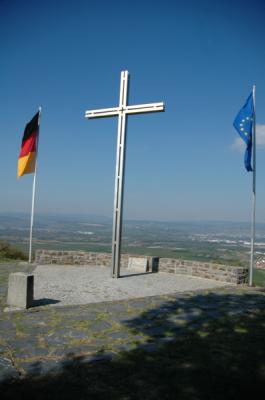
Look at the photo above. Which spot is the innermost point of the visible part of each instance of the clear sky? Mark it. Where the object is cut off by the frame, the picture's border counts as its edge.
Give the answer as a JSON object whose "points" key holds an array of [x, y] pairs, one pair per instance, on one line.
{"points": [[200, 57]]}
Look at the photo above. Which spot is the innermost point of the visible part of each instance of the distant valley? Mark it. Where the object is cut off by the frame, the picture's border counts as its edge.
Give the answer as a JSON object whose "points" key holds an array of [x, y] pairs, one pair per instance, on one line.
{"points": [[220, 242]]}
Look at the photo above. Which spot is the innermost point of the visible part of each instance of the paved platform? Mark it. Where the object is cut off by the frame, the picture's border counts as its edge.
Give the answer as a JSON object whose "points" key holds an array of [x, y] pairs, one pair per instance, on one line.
{"points": [[178, 345], [72, 285]]}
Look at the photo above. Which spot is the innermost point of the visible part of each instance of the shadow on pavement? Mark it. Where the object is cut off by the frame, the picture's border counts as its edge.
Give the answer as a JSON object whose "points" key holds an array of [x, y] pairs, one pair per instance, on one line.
{"points": [[44, 302], [136, 274], [204, 346]]}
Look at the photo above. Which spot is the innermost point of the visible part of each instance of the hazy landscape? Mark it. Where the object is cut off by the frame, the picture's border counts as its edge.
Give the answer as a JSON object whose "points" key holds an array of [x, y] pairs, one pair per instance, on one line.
{"points": [[221, 242]]}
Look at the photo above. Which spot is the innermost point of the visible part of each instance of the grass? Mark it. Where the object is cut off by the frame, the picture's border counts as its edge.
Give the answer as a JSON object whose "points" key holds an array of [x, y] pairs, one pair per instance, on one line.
{"points": [[9, 252], [259, 277]]}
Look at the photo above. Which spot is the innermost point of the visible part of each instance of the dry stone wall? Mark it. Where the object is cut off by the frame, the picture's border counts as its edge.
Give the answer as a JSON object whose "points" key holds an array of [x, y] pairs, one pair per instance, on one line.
{"points": [[85, 258], [223, 273]]}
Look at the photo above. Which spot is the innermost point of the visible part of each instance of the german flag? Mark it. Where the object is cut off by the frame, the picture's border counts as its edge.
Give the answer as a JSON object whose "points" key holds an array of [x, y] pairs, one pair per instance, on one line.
{"points": [[28, 153]]}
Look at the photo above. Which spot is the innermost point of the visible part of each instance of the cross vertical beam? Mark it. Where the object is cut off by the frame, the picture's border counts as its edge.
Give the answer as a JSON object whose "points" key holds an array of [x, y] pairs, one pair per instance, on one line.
{"points": [[121, 111], [119, 177]]}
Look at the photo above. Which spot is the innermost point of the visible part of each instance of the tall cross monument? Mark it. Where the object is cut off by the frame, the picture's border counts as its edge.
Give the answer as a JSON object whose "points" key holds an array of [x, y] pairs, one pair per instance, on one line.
{"points": [[121, 111]]}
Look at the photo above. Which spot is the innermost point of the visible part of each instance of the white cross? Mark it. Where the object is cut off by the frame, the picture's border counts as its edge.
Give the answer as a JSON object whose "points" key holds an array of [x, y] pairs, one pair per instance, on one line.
{"points": [[121, 111]]}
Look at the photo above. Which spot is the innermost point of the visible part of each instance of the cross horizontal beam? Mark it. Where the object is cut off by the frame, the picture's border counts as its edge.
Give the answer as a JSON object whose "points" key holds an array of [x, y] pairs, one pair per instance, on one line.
{"points": [[145, 108], [104, 112], [138, 109]]}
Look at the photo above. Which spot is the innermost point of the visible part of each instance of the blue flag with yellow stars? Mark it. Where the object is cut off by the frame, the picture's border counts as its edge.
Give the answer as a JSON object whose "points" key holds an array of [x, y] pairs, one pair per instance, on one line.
{"points": [[243, 124]]}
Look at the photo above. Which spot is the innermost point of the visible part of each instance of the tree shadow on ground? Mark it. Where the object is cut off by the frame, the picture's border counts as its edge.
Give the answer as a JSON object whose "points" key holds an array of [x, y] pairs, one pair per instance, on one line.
{"points": [[205, 346]]}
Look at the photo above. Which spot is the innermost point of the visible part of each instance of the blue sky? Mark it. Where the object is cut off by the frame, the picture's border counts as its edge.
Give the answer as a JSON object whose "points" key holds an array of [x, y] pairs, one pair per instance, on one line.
{"points": [[200, 57]]}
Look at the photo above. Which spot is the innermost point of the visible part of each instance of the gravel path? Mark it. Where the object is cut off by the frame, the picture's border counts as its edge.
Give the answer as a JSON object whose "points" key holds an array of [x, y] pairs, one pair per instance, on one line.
{"points": [[70, 285]]}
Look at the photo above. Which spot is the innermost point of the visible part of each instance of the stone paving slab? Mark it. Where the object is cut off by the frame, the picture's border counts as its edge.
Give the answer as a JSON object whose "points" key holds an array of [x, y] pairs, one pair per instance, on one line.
{"points": [[39, 340], [66, 285], [45, 338]]}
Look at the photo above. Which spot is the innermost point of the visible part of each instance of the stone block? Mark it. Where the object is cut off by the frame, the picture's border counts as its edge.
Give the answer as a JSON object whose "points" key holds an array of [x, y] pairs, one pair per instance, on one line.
{"points": [[138, 263], [153, 264], [20, 290]]}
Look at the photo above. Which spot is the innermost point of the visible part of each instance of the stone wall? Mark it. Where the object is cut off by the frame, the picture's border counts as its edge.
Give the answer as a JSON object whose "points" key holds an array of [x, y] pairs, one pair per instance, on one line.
{"points": [[85, 258], [72, 257], [223, 273]]}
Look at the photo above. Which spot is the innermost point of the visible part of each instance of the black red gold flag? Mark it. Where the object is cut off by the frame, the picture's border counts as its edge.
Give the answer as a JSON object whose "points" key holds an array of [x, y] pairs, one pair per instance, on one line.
{"points": [[28, 153]]}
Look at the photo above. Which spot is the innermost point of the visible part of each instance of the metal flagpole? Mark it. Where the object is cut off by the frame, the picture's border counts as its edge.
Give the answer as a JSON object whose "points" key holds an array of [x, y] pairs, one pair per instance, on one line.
{"points": [[32, 215], [33, 199], [253, 189]]}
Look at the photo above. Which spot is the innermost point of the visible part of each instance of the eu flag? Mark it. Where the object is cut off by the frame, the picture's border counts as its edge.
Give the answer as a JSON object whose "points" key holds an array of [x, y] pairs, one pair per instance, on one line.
{"points": [[243, 124]]}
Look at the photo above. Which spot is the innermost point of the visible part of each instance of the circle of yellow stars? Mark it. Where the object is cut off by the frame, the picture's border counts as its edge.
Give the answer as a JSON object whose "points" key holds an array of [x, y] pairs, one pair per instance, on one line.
{"points": [[243, 121]]}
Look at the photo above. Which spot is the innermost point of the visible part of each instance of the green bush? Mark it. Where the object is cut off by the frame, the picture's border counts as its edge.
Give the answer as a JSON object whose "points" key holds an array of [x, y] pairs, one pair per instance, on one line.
{"points": [[10, 252]]}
